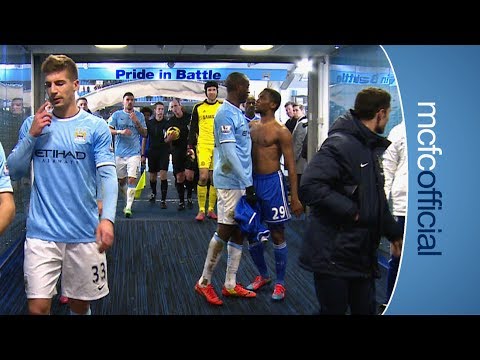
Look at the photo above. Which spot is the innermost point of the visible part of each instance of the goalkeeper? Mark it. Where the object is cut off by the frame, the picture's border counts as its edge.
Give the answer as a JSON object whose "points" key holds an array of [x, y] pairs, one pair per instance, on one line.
{"points": [[201, 136], [181, 120]]}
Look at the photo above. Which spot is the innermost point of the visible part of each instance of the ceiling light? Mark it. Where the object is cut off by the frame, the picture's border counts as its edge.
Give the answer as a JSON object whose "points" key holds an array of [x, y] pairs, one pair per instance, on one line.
{"points": [[111, 46], [256, 47], [304, 66]]}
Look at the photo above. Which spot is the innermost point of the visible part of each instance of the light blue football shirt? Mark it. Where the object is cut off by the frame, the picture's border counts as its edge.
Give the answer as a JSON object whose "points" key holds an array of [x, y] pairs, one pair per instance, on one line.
{"points": [[65, 158], [230, 126], [126, 146], [5, 184]]}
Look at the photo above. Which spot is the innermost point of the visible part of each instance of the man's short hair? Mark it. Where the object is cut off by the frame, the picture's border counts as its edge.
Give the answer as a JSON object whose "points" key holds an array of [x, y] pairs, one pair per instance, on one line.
{"points": [[369, 101], [235, 79], [274, 96], [300, 106], [210, 83], [145, 109], [56, 63]]}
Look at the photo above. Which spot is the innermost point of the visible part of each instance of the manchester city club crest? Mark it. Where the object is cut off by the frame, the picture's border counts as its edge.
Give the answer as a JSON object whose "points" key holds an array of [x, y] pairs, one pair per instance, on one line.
{"points": [[80, 136]]}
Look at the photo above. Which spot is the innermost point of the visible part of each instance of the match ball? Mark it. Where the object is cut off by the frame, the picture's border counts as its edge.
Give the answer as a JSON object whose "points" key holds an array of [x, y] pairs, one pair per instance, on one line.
{"points": [[175, 131]]}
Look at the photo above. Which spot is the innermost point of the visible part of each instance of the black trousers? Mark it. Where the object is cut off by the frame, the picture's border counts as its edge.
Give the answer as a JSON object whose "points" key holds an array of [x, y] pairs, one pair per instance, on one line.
{"points": [[335, 295]]}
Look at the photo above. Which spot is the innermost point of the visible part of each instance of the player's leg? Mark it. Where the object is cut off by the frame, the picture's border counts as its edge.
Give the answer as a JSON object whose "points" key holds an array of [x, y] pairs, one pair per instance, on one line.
{"points": [[212, 192], [276, 212], [133, 168], [203, 168], [84, 276], [42, 267], [164, 162]]}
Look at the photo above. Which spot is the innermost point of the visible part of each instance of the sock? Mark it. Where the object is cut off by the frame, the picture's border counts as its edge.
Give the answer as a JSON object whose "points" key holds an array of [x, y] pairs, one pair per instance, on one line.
{"points": [[164, 188], [280, 252], [214, 253], [130, 196], [256, 250], [202, 197], [153, 185], [181, 191], [89, 312], [212, 198], [234, 256], [189, 186]]}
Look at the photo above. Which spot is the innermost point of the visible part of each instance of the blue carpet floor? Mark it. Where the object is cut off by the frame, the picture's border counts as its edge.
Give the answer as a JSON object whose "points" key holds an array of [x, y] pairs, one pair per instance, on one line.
{"points": [[158, 255]]}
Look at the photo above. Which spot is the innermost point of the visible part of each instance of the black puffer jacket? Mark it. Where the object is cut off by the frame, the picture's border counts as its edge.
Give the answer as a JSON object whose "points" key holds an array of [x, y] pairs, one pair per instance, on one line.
{"points": [[345, 178]]}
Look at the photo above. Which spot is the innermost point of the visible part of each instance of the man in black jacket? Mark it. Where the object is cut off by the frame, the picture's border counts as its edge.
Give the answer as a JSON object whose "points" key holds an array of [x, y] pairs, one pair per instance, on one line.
{"points": [[180, 120], [343, 185]]}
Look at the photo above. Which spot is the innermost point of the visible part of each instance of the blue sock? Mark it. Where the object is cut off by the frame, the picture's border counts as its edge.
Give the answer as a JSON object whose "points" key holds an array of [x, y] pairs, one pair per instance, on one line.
{"points": [[393, 264], [281, 253], [256, 251]]}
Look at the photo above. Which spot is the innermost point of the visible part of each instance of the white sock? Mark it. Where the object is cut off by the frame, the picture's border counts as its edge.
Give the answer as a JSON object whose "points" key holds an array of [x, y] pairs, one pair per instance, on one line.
{"points": [[234, 256], [214, 253], [130, 197]]}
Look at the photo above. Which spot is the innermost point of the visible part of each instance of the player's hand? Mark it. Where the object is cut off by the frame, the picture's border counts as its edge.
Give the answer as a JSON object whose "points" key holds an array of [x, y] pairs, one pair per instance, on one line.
{"points": [[105, 235], [169, 138], [41, 119], [296, 207], [191, 153], [127, 132], [396, 247], [133, 116]]}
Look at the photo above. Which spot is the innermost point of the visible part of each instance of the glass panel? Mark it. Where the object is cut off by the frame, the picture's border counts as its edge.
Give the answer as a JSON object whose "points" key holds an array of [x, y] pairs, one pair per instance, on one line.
{"points": [[15, 97], [356, 67]]}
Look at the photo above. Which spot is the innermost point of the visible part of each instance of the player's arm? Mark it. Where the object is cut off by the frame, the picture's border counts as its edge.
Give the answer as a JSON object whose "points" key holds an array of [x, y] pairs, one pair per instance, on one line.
{"points": [[108, 178], [7, 209], [390, 163], [7, 204], [21, 156], [19, 160], [105, 233], [144, 146], [139, 122], [232, 163], [112, 124], [105, 163], [193, 132], [285, 140]]}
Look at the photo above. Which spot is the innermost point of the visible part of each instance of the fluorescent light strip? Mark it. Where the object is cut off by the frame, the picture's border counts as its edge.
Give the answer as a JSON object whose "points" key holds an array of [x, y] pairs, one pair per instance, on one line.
{"points": [[256, 47], [111, 46]]}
